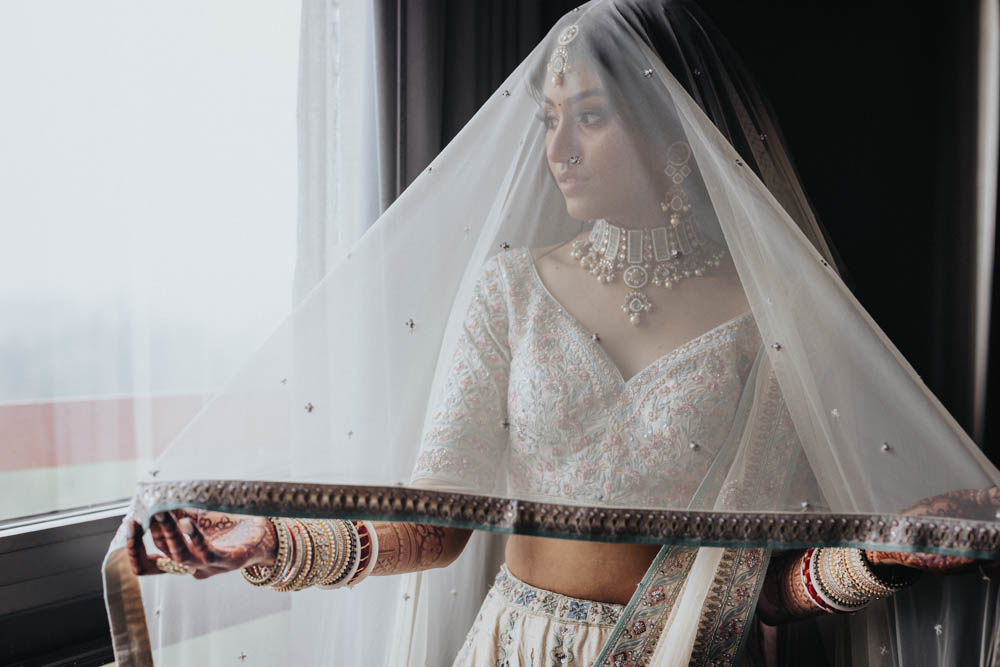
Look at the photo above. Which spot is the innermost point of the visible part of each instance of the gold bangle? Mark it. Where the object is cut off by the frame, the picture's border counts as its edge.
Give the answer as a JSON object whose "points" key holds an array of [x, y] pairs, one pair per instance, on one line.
{"points": [[832, 578], [864, 569], [346, 554], [303, 572], [264, 575], [857, 580], [296, 559], [340, 550], [348, 564], [322, 539], [852, 591], [822, 585]]}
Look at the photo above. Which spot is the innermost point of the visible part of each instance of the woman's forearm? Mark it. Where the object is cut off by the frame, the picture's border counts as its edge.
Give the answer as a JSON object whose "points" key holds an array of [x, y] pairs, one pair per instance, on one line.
{"points": [[412, 547], [783, 598], [833, 580]]}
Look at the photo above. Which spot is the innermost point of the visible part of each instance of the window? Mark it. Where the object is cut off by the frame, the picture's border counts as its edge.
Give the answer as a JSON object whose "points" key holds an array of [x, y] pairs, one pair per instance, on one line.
{"points": [[147, 240], [148, 217]]}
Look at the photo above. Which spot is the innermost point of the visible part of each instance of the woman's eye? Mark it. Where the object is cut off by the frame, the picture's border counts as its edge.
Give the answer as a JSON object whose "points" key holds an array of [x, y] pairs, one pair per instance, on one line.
{"points": [[548, 120], [590, 118], [587, 119]]}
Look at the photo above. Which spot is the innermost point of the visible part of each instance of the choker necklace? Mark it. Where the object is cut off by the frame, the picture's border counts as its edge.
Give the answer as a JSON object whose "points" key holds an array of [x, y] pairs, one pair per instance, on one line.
{"points": [[661, 255]]}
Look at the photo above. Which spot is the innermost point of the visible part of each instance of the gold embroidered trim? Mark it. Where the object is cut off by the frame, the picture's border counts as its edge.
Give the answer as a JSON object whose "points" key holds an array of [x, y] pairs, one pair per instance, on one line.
{"points": [[730, 602], [635, 636], [692, 527]]}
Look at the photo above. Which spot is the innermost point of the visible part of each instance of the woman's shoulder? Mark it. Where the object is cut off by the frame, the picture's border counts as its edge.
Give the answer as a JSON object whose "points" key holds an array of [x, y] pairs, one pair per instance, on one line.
{"points": [[501, 277], [510, 265], [517, 271]]}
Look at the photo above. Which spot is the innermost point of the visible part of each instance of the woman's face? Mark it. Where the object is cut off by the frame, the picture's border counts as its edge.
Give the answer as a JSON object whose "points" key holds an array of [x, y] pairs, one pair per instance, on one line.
{"points": [[593, 157]]}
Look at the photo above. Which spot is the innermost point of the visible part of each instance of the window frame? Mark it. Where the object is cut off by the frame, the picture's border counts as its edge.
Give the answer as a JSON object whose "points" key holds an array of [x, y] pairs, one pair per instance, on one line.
{"points": [[52, 608]]}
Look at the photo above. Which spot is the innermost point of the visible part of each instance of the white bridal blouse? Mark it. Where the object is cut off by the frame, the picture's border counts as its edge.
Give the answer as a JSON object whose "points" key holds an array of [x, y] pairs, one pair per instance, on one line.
{"points": [[532, 392]]}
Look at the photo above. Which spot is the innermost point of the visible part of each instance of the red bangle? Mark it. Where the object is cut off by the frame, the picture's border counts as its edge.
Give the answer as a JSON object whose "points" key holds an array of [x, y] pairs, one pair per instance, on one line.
{"points": [[365, 546], [808, 583]]}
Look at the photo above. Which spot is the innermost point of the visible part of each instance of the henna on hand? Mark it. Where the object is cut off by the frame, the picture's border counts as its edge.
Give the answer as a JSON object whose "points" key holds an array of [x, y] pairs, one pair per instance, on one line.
{"points": [[159, 536], [965, 503], [412, 547], [176, 546], [231, 541], [934, 563], [210, 542], [215, 542], [139, 560]]}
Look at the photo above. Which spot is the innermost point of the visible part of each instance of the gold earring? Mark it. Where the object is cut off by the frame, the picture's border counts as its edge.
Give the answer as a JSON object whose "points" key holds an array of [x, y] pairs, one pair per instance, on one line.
{"points": [[675, 200]]}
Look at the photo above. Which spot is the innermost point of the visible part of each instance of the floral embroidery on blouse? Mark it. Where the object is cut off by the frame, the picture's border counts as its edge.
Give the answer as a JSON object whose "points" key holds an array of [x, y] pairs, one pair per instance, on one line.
{"points": [[530, 392]]}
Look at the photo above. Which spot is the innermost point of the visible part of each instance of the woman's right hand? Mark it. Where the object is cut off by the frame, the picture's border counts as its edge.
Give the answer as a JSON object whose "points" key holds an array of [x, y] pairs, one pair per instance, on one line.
{"points": [[983, 504], [209, 543]]}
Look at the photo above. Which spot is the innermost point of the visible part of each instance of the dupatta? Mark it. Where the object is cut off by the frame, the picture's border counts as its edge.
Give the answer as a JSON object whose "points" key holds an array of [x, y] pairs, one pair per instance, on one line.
{"points": [[388, 394]]}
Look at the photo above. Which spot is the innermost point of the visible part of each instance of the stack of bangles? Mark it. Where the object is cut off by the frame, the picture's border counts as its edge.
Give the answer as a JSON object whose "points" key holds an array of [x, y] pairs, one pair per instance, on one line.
{"points": [[841, 580], [328, 553]]}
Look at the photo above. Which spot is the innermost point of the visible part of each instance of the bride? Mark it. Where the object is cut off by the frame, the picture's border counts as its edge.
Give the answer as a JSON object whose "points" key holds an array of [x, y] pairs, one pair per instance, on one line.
{"points": [[644, 361]]}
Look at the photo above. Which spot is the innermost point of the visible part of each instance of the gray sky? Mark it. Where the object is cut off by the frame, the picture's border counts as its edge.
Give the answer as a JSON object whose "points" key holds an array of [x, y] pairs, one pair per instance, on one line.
{"points": [[147, 156]]}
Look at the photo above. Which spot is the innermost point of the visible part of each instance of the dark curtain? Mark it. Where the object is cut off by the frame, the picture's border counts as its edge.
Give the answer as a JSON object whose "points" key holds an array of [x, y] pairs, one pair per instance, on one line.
{"points": [[438, 61], [992, 438], [877, 101]]}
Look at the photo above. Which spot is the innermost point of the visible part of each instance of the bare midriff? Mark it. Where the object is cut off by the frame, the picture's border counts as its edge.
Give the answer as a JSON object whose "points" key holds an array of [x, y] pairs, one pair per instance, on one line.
{"points": [[601, 571]]}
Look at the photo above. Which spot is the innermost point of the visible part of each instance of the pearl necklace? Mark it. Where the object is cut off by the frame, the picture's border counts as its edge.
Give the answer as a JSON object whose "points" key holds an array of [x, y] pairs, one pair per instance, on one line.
{"points": [[671, 253]]}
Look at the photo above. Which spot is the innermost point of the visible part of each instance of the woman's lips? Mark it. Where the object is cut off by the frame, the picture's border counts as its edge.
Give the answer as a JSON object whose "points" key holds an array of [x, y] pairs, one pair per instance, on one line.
{"points": [[571, 183]]}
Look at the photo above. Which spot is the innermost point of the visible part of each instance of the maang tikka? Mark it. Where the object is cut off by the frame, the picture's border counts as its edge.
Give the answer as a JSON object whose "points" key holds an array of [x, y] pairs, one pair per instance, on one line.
{"points": [[671, 253], [559, 60]]}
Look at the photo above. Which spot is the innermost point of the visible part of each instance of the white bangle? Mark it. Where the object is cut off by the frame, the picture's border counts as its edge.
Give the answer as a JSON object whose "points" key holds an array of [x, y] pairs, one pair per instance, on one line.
{"points": [[373, 538], [821, 576]]}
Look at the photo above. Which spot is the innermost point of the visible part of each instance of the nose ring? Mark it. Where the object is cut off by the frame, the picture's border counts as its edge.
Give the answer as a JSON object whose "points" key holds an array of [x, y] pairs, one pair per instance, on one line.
{"points": [[575, 159]]}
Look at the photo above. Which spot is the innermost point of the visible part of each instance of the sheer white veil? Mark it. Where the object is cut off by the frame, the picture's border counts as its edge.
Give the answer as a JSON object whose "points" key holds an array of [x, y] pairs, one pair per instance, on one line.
{"points": [[822, 433]]}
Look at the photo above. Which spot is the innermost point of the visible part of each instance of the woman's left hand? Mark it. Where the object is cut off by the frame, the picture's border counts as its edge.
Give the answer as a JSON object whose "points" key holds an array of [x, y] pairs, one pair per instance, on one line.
{"points": [[201, 543], [960, 503]]}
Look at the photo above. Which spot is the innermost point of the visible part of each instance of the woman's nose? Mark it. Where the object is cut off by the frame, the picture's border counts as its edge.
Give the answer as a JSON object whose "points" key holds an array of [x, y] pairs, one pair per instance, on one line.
{"points": [[563, 146]]}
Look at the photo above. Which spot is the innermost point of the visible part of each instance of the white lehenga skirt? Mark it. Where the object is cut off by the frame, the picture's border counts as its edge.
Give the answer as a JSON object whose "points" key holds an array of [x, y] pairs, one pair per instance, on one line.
{"points": [[523, 626]]}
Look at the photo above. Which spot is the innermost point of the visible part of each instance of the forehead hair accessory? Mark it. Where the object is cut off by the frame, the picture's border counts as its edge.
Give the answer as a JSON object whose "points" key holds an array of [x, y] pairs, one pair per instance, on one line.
{"points": [[559, 60]]}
